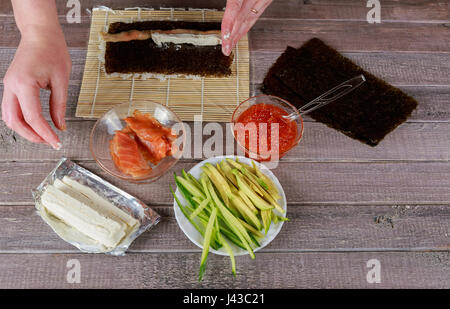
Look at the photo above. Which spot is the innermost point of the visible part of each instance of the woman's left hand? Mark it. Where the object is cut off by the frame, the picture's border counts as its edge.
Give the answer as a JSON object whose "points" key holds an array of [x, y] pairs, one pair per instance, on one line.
{"points": [[239, 17]]}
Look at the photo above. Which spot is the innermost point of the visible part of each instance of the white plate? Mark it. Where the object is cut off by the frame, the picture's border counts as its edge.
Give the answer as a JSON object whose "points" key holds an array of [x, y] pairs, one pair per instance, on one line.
{"points": [[197, 238]]}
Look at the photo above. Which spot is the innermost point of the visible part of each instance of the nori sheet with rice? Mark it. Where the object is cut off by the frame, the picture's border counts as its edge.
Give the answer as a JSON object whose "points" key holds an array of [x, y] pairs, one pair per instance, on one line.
{"points": [[367, 114], [146, 57]]}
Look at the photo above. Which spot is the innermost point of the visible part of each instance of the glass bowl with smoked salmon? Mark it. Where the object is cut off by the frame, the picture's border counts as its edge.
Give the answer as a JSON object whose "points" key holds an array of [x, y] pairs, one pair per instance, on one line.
{"points": [[138, 141]]}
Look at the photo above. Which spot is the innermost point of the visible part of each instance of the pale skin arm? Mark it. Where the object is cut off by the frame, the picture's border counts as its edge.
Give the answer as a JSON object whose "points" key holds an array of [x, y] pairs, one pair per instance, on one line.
{"points": [[238, 19], [41, 61]]}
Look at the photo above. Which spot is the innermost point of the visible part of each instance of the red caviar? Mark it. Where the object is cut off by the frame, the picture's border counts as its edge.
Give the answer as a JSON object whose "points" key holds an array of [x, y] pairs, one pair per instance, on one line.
{"points": [[263, 116]]}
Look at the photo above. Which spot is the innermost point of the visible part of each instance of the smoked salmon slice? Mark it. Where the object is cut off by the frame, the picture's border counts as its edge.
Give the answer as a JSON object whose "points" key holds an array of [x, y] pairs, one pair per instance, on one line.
{"points": [[143, 141], [156, 138], [127, 156]]}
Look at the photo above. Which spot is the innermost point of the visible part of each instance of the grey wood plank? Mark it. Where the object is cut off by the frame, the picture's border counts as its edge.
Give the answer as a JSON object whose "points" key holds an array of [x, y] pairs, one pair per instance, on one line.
{"points": [[275, 34], [319, 144], [179, 270], [410, 11], [311, 228], [434, 102], [350, 36], [399, 69], [346, 183]]}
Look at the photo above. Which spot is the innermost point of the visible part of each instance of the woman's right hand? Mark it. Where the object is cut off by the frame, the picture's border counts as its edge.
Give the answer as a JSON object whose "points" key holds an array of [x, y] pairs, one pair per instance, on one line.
{"points": [[41, 61], [238, 18]]}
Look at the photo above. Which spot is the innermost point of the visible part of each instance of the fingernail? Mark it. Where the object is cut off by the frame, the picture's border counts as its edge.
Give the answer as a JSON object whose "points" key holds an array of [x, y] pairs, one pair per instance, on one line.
{"points": [[226, 49], [58, 146], [62, 124]]}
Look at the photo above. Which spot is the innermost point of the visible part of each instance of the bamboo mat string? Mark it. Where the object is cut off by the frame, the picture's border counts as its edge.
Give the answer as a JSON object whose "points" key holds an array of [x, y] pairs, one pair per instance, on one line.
{"points": [[168, 79], [130, 105], [203, 96], [203, 79], [139, 11], [168, 92], [133, 78], [237, 73], [99, 70], [171, 13]]}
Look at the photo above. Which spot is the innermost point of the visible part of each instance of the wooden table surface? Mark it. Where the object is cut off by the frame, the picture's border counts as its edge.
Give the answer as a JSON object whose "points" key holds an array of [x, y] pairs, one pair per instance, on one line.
{"points": [[348, 202]]}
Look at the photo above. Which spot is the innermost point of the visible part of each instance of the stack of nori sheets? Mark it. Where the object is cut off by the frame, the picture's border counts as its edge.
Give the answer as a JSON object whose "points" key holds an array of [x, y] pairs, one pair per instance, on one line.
{"points": [[146, 57], [367, 114]]}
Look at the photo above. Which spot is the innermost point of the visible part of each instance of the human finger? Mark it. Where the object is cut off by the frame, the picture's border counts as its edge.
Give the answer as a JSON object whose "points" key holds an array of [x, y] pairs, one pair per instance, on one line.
{"points": [[13, 118], [30, 104], [58, 100], [250, 12], [232, 10]]}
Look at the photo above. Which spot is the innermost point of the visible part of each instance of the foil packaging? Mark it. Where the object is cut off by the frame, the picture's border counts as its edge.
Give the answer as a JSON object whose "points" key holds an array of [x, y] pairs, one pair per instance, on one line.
{"points": [[147, 217]]}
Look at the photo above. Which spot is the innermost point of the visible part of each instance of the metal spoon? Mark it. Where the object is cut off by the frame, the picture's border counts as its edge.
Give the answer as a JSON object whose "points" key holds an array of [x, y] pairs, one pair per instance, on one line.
{"points": [[329, 96]]}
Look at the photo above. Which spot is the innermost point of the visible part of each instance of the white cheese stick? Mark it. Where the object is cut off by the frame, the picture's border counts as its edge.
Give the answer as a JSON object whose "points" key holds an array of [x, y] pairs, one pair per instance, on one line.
{"points": [[82, 217], [186, 38], [175, 36], [96, 201]]}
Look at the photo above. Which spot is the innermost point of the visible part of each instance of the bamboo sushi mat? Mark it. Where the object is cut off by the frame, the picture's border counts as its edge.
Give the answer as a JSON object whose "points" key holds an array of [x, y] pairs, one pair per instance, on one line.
{"points": [[211, 98]]}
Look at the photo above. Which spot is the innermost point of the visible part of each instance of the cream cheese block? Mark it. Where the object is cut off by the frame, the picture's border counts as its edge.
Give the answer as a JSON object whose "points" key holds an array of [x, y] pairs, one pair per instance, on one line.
{"points": [[79, 215]]}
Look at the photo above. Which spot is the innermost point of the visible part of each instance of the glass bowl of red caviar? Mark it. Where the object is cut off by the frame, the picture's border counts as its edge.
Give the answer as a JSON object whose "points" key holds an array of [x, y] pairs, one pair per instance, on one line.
{"points": [[261, 129]]}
